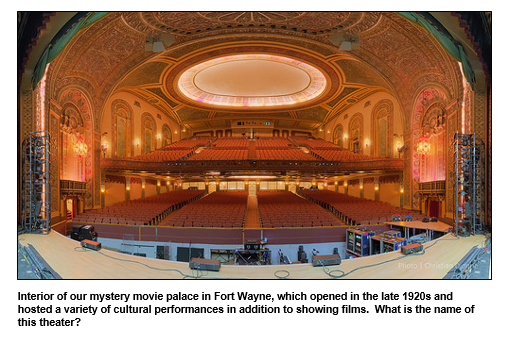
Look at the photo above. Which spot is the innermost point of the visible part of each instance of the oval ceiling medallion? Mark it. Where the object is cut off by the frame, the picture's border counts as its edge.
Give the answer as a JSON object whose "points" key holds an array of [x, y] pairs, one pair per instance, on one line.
{"points": [[252, 80]]}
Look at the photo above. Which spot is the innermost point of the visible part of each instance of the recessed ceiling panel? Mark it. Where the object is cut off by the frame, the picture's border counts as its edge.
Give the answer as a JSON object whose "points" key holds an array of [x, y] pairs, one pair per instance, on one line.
{"points": [[252, 80]]}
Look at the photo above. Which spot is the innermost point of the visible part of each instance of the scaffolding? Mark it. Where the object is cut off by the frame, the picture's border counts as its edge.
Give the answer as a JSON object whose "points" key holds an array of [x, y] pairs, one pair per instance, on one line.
{"points": [[36, 187], [469, 185]]}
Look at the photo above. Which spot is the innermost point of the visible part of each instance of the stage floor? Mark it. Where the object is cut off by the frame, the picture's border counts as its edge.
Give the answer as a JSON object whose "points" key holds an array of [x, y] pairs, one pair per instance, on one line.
{"points": [[70, 261]]}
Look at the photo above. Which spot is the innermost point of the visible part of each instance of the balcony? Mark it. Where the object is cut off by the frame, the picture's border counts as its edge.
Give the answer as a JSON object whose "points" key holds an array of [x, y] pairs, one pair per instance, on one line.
{"points": [[432, 187], [69, 187]]}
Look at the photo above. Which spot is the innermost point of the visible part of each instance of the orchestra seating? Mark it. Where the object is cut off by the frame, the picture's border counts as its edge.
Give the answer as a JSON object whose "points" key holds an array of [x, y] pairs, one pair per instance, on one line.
{"points": [[355, 210], [285, 209], [225, 209], [143, 211]]}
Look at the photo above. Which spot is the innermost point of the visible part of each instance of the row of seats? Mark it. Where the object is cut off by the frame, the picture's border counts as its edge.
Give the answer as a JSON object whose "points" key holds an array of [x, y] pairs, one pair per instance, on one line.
{"points": [[190, 143], [225, 209], [231, 143], [284, 154], [143, 211], [341, 155], [164, 155], [285, 209], [356, 210], [222, 155], [272, 143], [315, 143]]}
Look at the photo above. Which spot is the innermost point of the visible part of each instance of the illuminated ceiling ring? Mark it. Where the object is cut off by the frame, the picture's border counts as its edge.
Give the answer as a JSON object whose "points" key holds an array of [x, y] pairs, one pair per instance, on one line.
{"points": [[254, 80]]}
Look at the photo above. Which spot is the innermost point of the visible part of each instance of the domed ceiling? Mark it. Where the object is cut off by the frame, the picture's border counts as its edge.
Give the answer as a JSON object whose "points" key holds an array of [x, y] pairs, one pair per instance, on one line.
{"points": [[286, 66]]}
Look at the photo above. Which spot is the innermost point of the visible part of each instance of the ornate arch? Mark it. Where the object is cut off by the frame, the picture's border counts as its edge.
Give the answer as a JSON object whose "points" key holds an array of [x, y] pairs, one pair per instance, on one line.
{"points": [[381, 127], [76, 119], [338, 135], [166, 135], [356, 133], [121, 128], [148, 133], [429, 110]]}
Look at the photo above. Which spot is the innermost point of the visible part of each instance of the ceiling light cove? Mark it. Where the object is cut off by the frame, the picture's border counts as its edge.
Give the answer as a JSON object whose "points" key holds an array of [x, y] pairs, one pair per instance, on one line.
{"points": [[252, 80]]}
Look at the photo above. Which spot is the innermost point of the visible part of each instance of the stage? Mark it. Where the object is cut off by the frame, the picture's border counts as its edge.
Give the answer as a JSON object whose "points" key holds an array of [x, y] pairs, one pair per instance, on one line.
{"points": [[70, 261]]}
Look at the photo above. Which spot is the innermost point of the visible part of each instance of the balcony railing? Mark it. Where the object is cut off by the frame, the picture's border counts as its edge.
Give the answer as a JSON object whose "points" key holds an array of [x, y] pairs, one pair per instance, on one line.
{"points": [[432, 187], [72, 187]]}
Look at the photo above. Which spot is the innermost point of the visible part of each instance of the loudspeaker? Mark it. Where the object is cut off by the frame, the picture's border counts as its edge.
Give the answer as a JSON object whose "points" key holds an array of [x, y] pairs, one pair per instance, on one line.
{"points": [[204, 264], [326, 260]]}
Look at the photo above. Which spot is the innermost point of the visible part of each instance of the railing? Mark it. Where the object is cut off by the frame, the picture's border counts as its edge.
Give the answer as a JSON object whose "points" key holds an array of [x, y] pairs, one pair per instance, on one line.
{"points": [[432, 187], [386, 164], [72, 187]]}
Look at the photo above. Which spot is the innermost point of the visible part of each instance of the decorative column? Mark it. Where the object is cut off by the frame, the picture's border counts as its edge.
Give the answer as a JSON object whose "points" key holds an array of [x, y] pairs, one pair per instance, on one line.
{"points": [[102, 189], [402, 190], [158, 187], [377, 188], [127, 188]]}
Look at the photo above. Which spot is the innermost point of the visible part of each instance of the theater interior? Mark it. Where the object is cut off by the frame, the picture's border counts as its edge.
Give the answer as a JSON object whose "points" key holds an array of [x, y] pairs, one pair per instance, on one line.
{"points": [[258, 145]]}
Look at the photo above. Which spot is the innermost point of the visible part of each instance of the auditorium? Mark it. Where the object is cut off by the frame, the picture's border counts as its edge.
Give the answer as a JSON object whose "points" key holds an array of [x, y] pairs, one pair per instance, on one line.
{"points": [[254, 145]]}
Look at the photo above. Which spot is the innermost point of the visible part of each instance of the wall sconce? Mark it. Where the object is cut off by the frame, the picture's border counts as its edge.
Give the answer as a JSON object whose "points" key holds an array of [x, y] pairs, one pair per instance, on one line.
{"points": [[137, 143], [402, 190], [102, 188], [103, 147], [158, 183], [366, 142]]}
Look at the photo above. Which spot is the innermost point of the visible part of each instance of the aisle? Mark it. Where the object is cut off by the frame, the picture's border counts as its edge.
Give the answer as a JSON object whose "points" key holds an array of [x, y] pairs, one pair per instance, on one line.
{"points": [[252, 213]]}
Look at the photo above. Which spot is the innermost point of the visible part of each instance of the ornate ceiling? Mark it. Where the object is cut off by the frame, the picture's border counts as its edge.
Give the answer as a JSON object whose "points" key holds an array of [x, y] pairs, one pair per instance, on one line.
{"points": [[395, 56]]}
